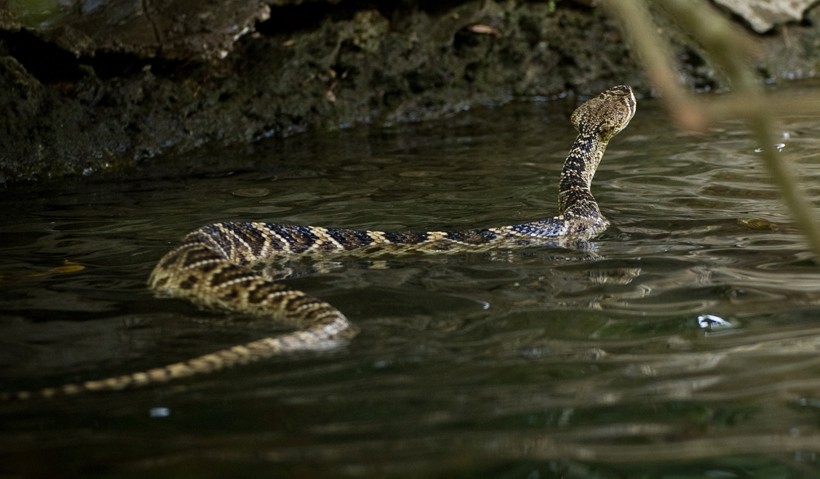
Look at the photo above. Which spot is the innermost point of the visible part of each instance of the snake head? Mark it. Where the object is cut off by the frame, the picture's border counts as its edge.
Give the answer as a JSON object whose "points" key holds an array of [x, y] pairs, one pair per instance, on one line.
{"points": [[606, 114]]}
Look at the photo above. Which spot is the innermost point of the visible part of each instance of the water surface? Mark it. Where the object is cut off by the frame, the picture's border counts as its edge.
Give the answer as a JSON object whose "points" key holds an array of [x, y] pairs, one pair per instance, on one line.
{"points": [[531, 363]]}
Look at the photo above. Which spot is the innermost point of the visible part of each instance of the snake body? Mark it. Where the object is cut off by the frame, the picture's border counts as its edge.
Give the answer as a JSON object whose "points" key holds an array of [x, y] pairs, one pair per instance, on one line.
{"points": [[214, 266]]}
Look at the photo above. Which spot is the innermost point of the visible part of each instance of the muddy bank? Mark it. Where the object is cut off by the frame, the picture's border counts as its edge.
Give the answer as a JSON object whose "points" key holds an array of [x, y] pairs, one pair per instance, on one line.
{"points": [[88, 92]]}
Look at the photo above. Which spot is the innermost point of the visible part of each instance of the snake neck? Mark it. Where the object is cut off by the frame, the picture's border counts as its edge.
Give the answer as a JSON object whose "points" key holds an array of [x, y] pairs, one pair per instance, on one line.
{"points": [[574, 194]]}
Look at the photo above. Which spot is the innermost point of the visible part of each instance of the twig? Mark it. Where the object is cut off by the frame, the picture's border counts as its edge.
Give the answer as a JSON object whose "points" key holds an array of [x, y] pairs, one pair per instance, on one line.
{"points": [[729, 50]]}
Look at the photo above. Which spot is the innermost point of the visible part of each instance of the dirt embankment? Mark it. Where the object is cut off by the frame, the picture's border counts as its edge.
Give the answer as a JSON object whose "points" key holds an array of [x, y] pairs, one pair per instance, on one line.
{"points": [[128, 83]]}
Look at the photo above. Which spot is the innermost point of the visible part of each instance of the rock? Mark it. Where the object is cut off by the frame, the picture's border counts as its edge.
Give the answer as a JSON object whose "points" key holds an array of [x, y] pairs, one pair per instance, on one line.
{"points": [[763, 15], [96, 102], [104, 89], [171, 29]]}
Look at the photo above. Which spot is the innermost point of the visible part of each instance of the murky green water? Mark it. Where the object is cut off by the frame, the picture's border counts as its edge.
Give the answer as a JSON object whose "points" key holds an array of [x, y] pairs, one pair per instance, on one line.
{"points": [[533, 363]]}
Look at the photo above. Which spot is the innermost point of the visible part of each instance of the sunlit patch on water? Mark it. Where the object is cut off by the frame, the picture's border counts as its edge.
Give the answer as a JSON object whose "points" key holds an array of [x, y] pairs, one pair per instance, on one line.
{"points": [[684, 341]]}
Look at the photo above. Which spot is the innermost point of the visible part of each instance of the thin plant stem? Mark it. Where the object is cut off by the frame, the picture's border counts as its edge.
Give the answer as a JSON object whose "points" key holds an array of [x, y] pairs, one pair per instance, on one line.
{"points": [[730, 51]]}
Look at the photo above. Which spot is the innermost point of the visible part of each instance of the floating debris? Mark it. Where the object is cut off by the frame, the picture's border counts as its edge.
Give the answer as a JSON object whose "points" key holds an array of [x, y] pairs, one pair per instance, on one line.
{"points": [[758, 224], [711, 322]]}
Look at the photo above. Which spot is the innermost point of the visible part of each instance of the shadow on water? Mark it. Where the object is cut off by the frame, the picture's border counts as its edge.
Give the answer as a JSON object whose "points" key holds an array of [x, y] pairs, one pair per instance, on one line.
{"points": [[532, 363]]}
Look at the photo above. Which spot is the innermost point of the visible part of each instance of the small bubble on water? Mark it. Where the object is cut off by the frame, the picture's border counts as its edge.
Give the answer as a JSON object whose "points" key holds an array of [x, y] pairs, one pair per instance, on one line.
{"points": [[809, 402], [778, 147], [711, 322], [159, 411]]}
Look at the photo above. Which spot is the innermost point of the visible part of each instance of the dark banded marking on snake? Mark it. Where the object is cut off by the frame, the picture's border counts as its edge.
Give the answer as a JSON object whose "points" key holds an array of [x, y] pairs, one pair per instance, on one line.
{"points": [[212, 265]]}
